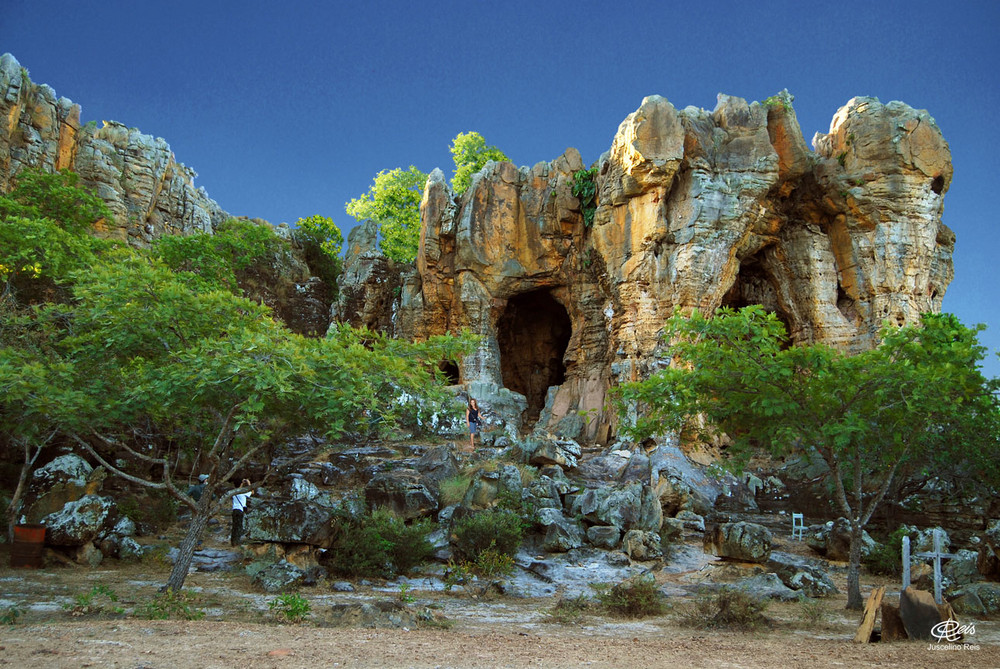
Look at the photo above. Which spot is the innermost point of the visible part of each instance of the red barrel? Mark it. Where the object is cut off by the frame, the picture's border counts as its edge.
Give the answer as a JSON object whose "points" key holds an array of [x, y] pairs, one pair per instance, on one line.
{"points": [[29, 544]]}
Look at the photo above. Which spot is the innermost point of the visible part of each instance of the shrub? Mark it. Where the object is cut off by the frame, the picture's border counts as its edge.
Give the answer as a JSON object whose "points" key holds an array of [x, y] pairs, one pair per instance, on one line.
{"points": [[887, 558], [379, 544], [813, 612], [585, 189], [497, 529], [569, 610], [452, 490], [492, 563], [168, 605], [10, 615], [291, 607], [89, 602], [636, 597], [728, 608]]}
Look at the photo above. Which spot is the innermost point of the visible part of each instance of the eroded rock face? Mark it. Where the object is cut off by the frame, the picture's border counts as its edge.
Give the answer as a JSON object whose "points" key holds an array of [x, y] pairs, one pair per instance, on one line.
{"points": [[695, 209], [147, 190]]}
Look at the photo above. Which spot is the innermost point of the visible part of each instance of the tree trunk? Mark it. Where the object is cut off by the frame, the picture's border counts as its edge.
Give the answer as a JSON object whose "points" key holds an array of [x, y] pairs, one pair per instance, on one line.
{"points": [[22, 480], [854, 602], [199, 519]]}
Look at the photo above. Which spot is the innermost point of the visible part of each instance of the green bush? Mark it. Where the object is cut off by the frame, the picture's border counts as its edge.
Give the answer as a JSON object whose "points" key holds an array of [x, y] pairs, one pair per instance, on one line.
{"points": [[492, 563], [89, 602], [451, 491], [378, 544], [291, 607], [585, 189], [168, 605], [728, 608], [887, 558], [497, 529], [636, 597]]}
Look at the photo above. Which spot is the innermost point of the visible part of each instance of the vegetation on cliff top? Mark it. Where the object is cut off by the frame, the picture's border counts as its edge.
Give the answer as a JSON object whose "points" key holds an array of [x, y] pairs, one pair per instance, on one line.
{"points": [[393, 199]]}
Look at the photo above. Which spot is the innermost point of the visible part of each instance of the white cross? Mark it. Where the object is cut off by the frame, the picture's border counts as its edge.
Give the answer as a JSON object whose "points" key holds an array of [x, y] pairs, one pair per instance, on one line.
{"points": [[936, 554]]}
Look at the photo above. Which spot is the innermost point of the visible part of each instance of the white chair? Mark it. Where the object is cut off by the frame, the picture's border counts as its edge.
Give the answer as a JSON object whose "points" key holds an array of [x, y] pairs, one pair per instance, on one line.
{"points": [[798, 525]]}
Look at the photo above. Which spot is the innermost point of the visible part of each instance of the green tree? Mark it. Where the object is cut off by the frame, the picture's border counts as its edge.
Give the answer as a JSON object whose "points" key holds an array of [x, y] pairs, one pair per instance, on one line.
{"points": [[139, 368], [44, 222], [471, 153], [43, 240], [393, 202], [211, 261], [321, 240], [917, 402], [152, 357]]}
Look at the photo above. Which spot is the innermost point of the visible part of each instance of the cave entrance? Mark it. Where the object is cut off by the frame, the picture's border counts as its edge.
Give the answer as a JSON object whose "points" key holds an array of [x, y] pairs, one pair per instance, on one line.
{"points": [[753, 285], [532, 334]]}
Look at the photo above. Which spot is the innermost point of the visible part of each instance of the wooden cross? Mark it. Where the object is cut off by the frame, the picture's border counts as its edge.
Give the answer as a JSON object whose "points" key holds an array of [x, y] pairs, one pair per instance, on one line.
{"points": [[937, 554]]}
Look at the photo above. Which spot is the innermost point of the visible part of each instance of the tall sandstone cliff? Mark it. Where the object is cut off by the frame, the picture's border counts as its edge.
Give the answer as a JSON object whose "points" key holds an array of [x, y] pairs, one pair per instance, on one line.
{"points": [[695, 209], [149, 193]]}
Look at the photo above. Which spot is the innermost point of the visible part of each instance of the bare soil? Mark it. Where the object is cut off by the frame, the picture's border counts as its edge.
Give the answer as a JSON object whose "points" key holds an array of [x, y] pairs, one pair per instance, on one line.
{"points": [[240, 630]]}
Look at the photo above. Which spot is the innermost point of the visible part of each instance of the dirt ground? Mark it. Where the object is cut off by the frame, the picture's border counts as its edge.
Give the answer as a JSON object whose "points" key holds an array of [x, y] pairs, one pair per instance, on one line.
{"points": [[239, 630]]}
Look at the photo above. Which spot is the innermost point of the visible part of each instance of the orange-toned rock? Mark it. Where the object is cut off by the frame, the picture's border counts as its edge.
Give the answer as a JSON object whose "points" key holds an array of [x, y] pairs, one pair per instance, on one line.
{"points": [[695, 210]]}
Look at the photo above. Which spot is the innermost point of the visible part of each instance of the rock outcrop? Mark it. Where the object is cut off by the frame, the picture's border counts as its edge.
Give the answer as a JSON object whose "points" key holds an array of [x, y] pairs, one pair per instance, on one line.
{"points": [[147, 190], [695, 209]]}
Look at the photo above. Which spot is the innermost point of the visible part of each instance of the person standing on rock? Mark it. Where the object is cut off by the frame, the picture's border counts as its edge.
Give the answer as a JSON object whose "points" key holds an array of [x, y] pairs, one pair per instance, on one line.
{"points": [[239, 508], [472, 420]]}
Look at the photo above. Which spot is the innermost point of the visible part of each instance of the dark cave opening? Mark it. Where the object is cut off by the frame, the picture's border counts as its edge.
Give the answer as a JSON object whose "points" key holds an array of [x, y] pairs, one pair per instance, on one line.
{"points": [[754, 286], [532, 334], [450, 371]]}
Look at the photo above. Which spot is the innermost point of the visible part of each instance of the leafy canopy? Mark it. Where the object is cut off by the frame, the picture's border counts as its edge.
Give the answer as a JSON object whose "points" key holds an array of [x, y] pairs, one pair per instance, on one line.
{"points": [[322, 241], [43, 226], [152, 355], [471, 153], [393, 202], [212, 261]]}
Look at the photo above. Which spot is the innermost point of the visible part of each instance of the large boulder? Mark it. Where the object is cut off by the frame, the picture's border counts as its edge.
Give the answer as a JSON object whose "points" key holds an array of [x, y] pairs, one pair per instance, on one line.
{"points": [[65, 479], [767, 586], [631, 507], [78, 522], [561, 533], [402, 492], [747, 542], [288, 521], [805, 575], [977, 599], [641, 545], [833, 540]]}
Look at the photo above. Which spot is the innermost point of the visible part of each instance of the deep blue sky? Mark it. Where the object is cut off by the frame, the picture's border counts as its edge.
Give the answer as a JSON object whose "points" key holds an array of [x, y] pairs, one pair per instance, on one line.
{"points": [[288, 109]]}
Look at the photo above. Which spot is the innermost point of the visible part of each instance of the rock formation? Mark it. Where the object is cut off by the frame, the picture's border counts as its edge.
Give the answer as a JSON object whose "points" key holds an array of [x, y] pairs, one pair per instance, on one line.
{"points": [[695, 210], [147, 190]]}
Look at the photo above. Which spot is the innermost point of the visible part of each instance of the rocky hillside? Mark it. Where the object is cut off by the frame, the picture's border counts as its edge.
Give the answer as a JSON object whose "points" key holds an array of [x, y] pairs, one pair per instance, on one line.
{"points": [[149, 193]]}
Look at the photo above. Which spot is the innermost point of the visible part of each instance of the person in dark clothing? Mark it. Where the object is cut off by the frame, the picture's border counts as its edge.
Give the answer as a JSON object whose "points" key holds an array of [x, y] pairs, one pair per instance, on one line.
{"points": [[473, 421]]}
